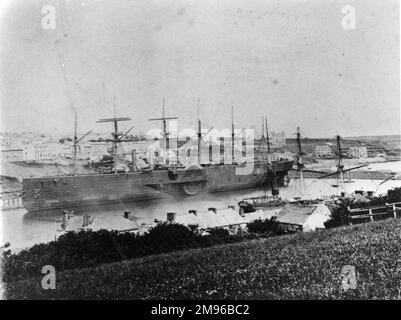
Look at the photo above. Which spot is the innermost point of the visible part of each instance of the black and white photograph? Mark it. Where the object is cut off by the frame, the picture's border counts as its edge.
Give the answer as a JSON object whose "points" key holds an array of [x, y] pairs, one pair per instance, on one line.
{"points": [[200, 150]]}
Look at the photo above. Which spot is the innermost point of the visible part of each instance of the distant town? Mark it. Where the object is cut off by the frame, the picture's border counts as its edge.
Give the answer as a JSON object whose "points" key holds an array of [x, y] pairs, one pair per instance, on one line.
{"points": [[29, 146]]}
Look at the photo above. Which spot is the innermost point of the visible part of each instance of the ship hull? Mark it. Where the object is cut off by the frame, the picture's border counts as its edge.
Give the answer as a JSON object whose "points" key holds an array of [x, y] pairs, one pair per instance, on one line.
{"points": [[67, 192]]}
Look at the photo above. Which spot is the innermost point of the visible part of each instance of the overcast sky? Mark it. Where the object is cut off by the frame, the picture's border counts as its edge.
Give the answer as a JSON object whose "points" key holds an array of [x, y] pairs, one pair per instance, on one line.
{"points": [[288, 60]]}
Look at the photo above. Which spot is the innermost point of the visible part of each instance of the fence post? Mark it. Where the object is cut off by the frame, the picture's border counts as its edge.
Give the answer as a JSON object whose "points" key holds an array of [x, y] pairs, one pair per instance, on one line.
{"points": [[349, 216], [371, 215], [394, 211]]}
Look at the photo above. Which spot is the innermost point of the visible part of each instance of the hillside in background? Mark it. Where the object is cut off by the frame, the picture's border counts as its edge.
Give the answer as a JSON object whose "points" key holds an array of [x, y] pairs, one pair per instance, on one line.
{"points": [[391, 144]]}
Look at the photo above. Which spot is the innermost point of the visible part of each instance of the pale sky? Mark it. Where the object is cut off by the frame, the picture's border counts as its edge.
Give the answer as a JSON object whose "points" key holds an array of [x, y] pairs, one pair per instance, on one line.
{"points": [[288, 60]]}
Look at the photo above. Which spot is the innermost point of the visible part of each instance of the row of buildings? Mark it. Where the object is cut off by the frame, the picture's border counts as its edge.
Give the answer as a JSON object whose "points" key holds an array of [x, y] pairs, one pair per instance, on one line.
{"points": [[34, 147], [42, 152], [59, 151], [294, 217], [29, 146], [358, 152]]}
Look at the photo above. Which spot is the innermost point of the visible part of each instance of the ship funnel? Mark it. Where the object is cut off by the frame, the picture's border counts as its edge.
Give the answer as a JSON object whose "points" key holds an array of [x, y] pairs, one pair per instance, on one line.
{"points": [[222, 150], [65, 220], [133, 155]]}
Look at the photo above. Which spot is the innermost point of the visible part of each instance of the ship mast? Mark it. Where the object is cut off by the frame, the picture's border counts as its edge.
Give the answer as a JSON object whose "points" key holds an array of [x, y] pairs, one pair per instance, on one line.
{"points": [[232, 134], [117, 136], [263, 136], [300, 163], [165, 133], [76, 141], [267, 138], [275, 191], [340, 166], [199, 135], [263, 129]]}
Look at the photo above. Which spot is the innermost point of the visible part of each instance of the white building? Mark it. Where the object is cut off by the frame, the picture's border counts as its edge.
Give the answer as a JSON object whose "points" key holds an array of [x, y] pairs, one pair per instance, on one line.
{"points": [[36, 152], [286, 155], [305, 217], [10, 155], [323, 151], [40, 152], [83, 151], [277, 138], [5, 140], [358, 152]]}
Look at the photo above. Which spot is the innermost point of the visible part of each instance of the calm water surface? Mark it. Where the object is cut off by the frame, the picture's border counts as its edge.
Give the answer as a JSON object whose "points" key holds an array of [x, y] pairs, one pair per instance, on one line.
{"points": [[24, 229]]}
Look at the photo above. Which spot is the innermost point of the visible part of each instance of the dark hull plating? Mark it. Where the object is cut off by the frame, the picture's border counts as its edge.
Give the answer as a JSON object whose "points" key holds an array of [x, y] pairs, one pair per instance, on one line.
{"points": [[64, 192]]}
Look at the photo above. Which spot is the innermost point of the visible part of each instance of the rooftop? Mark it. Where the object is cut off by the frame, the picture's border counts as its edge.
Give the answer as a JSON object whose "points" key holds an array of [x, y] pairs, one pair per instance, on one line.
{"points": [[295, 214]]}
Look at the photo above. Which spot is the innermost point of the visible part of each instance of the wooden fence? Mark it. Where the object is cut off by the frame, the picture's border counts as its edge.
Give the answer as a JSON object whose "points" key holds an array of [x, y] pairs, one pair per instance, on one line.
{"points": [[389, 210]]}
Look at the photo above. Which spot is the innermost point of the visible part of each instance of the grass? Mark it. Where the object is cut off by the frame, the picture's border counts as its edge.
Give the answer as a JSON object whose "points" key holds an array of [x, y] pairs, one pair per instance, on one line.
{"points": [[300, 266]]}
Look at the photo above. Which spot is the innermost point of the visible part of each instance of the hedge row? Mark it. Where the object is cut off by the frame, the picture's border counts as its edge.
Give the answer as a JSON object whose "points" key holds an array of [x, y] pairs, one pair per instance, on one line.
{"points": [[85, 249], [339, 215], [300, 266]]}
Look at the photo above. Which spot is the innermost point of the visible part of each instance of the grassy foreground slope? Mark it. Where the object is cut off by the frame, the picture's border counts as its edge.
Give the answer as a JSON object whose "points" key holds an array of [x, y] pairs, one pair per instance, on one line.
{"points": [[300, 266]]}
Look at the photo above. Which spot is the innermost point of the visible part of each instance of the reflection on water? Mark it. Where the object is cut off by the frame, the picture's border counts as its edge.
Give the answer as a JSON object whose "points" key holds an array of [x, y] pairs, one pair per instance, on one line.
{"points": [[24, 229]]}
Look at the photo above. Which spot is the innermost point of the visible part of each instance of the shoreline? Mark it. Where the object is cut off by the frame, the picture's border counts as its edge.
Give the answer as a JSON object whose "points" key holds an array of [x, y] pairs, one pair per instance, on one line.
{"points": [[365, 175]]}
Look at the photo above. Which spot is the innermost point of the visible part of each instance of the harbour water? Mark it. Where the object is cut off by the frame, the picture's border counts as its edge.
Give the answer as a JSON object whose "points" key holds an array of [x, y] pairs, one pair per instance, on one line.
{"points": [[24, 229], [331, 165]]}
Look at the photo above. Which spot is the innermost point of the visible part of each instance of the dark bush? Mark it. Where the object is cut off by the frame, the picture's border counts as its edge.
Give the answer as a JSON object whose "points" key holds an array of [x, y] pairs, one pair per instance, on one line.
{"points": [[302, 266], [71, 250], [219, 232], [268, 227], [394, 195], [339, 214], [85, 249]]}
